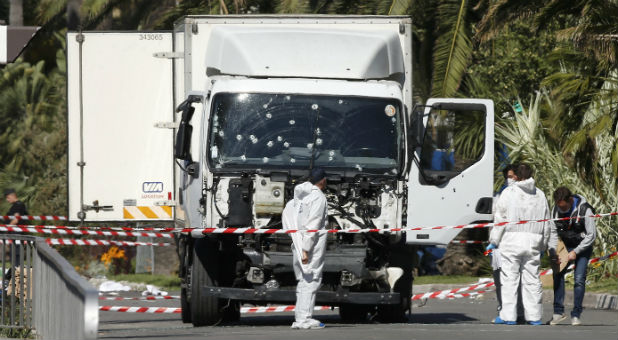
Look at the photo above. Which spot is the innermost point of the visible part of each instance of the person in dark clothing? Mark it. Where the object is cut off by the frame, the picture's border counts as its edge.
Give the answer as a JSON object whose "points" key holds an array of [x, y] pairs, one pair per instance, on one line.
{"points": [[578, 234], [18, 208]]}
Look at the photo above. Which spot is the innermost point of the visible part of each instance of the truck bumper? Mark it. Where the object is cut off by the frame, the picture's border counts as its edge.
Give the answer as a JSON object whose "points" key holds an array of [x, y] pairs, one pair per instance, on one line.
{"points": [[331, 298]]}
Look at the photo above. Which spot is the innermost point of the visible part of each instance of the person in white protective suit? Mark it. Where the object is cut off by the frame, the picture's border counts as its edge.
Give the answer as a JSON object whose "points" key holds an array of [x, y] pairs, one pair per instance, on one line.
{"points": [[307, 211], [521, 246]]}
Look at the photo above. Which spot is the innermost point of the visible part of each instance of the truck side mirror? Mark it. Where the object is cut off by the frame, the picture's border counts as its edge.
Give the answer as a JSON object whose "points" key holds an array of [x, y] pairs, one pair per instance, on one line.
{"points": [[182, 149], [416, 126]]}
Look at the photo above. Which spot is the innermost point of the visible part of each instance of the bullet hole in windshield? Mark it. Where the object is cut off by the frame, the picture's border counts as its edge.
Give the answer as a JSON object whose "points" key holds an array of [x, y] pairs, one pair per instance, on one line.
{"points": [[330, 158], [269, 115], [309, 146], [279, 139], [221, 134], [340, 101], [265, 106], [318, 141], [288, 97], [314, 106], [360, 168], [254, 139], [286, 144], [243, 158], [318, 132], [270, 144], [265, 160], [292, 160], [292, 122], [238, 137], [331, 153]]}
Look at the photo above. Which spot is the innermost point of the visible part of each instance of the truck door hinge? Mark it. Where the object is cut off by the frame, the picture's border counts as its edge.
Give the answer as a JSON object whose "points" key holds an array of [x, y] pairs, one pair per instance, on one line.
{"points": [[168, 55], [166, 203], [167, 125]]}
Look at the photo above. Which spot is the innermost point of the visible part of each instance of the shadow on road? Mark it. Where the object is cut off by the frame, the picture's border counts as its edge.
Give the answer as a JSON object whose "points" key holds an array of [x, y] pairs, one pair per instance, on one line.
{"points": [[440, 318]]}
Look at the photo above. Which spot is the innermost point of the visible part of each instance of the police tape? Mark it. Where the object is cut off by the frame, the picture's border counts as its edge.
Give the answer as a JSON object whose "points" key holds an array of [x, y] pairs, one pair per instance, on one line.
{"points": [[176, 310], [74, 242], [249, 230], [39, 218], [375, 230], [63, 231], [150, 310], [468, 242], [443, 294], [457, 293], [468, 295], [140, 298]]}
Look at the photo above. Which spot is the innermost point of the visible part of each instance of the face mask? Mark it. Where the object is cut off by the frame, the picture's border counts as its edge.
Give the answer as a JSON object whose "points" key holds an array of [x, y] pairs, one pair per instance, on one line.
{"points": [[562, 211], [509, 181]]}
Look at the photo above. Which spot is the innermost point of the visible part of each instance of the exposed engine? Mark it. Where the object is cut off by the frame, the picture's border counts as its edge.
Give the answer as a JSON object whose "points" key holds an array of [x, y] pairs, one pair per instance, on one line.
{"points": [[353, 259]]}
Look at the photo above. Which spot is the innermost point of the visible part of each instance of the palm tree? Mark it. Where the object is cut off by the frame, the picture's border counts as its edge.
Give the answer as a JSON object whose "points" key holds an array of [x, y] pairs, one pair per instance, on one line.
{"points": [[16, 14], [588, 80]]}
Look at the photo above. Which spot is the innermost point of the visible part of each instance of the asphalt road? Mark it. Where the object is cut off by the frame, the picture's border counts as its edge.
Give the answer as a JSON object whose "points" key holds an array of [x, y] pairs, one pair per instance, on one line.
{"points": [[437, 319]]}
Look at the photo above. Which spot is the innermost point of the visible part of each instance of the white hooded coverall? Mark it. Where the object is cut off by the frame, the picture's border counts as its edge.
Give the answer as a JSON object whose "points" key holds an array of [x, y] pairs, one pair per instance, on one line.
{"points": [[521, 246], [307, 211]]}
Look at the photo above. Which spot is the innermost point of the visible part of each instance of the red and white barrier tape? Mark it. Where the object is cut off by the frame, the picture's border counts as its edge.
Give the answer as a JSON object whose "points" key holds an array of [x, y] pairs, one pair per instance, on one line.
{"points": [[465, 295], [140, 298], [175, 310], [468, 242], [151, 310], [39, 218], [72, 242], [283, 231], [62, 231], [64, 227], [275, 309], [442, 294], [385, 230]]}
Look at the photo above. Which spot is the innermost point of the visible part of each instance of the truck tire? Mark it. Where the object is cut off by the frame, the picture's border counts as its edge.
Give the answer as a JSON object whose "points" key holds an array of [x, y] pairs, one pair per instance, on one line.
{"points": [[394, 313], [205, 310], [353, 313], [185, 306]]}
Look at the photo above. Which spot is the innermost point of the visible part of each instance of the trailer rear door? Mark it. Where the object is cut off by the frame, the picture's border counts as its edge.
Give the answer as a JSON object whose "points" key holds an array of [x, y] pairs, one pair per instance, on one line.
{"points": [[122, 90]]}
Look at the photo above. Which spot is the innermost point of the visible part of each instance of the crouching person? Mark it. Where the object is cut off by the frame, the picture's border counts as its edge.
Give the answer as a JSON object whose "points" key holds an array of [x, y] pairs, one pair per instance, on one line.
{"points": [[578, 234]]}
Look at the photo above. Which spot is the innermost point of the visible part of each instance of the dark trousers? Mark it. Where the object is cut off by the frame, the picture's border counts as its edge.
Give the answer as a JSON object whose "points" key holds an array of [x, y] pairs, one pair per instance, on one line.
{"points": [[579, 287]]}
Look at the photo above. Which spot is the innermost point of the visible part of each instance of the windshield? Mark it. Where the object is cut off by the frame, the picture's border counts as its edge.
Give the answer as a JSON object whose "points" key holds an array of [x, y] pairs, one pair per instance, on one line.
{"points": [[259, 130]]}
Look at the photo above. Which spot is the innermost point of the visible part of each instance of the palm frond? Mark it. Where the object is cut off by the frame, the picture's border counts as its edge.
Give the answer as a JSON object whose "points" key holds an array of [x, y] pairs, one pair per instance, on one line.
{"points": [[452, 49], [399, 7], [292, 6]]}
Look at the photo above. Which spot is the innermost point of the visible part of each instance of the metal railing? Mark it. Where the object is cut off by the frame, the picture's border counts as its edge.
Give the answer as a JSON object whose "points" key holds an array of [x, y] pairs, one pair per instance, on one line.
{"points": [[42, 291], [17, 255]]}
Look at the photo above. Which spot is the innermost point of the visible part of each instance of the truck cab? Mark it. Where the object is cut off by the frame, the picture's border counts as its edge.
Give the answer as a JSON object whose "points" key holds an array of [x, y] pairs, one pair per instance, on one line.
{"points": [[259, 102]]}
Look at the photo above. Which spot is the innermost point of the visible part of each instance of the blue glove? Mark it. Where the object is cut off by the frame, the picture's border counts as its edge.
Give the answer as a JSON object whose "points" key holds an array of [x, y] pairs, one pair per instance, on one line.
{"points": [[490, 247]]}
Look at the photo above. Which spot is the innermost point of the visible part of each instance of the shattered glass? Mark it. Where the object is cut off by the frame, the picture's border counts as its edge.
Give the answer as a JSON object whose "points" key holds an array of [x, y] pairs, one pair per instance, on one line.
{"points": [[289, 130]]}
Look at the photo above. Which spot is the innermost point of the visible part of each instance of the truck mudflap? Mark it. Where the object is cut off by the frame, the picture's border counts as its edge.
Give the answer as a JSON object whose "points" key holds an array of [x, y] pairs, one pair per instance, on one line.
{"points": [[330, 298]]}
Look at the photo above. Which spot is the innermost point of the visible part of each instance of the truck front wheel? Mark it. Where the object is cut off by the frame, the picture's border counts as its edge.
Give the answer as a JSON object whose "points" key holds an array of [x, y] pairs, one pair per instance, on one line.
{"points": [[353, 313], [205, 310]]}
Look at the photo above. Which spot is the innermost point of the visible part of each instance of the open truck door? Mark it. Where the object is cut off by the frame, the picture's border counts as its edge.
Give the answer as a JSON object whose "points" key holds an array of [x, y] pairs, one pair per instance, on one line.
{"points": [[120, 164], [451, 180]]}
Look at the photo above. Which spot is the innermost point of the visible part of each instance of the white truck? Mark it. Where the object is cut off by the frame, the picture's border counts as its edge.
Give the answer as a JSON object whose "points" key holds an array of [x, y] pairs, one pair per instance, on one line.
{"points": [[259, 101]]}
